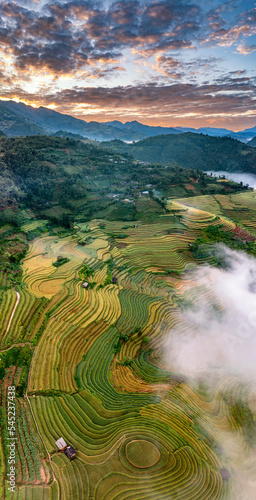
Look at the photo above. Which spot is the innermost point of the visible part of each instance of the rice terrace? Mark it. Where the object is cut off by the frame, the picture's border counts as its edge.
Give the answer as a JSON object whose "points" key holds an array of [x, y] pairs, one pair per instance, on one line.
{"points": [[127, 250], [83, 339]]}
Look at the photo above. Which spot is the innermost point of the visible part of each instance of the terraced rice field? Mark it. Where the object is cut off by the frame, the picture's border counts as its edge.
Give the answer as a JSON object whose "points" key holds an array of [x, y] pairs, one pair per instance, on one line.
{"points": [[98, 377], [32, 225]]}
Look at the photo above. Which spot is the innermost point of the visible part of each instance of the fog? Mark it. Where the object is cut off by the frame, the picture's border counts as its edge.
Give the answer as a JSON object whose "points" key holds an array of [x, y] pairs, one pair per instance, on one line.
{"points": [[218, 331]]}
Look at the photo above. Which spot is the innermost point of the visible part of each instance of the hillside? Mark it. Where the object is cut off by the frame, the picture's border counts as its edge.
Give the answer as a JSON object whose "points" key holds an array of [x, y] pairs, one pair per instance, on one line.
{"points": [[39, 171], [19, 119], [58, 181], [191, 150], [252, 143], [86, 336], [97, 260], [47, 121], [14, 125]]}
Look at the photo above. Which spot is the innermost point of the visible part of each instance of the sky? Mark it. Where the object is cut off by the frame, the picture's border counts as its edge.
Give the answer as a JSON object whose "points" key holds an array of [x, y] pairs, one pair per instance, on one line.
{"points": [[161, 62]]}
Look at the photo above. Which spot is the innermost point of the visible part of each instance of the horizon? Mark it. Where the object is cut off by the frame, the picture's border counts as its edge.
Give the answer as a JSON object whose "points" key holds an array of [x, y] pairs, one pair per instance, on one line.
{"points": [[163, 63], [122, 120]]}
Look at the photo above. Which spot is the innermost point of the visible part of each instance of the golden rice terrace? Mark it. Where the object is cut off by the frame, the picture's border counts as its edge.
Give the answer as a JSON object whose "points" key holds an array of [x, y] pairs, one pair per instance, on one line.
{"points": [[93, 329]]}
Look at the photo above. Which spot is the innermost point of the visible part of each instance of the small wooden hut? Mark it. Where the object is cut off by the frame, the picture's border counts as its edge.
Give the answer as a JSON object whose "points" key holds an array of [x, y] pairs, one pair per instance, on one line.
{"points": [[70, 452], [64, 448]]}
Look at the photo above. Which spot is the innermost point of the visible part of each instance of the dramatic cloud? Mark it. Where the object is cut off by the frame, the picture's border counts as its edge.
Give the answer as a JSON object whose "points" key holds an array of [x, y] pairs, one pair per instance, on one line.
{"points": [[72, 34], [222, 100], [52, 51]]}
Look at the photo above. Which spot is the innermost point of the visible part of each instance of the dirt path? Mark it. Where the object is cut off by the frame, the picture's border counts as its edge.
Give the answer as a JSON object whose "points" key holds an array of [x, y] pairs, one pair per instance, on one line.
{"points": [[22, 344], [13, 312]]}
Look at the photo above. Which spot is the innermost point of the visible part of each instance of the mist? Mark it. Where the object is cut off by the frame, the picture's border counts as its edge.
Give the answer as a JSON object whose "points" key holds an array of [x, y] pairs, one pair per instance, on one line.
{"points": [[217, 333]]}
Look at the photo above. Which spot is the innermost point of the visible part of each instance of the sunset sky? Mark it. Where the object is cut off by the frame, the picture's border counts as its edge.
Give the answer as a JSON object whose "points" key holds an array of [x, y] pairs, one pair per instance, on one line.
{"points": [[170, 63]]}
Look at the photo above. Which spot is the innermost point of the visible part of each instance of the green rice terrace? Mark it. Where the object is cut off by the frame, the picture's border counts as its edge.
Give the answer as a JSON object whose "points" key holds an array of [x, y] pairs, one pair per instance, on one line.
{"points": [[83, 342], [91, 288]]}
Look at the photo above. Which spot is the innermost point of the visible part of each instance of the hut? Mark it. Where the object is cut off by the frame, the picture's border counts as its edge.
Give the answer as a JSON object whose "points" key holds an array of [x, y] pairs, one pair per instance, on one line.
{"points": [[64, 448], [70, 452], [61, 444], [85, 284]]}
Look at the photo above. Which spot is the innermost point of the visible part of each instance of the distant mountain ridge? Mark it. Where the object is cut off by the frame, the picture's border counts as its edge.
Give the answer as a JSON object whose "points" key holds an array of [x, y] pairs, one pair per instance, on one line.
{"points": [[19, 119], [149, 131], [190, 150]]}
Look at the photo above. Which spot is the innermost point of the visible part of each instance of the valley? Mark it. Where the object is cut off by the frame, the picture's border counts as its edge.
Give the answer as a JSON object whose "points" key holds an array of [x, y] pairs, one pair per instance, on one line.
{"points": [[90, 364]]}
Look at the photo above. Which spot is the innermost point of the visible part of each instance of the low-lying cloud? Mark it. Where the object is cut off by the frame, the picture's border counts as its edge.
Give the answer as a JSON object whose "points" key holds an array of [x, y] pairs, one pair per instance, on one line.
{"points": [[220, 325]]}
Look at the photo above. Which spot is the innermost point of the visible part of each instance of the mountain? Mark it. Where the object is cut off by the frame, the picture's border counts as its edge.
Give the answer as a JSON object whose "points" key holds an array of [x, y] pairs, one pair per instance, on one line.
{"points": [[56, 177], [148, 131], [144, 130], [14, 116], [18, 119], [243, 136], [250, 132], [76, 137], [192, 150], [12, 124], [252, 142]]}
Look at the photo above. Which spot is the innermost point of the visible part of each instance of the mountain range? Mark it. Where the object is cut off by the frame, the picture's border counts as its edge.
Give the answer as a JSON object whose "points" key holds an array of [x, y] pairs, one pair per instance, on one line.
{"points": [[190, 150], [19, 119]]}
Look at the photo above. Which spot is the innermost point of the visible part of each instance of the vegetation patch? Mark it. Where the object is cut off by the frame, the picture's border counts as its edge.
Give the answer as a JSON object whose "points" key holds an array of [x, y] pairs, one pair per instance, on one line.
{"points": [[142, 454], [60, 261], [18, 357], [202, 246]]}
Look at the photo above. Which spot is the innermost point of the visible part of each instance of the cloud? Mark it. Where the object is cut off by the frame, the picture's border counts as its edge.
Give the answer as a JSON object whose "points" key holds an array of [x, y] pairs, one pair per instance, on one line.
{"points": [[189, 97], [246, 49], [228, 24], [225, 37], [228, 97], [220, 325], [79, 32], [67, 37], [167, 66], [50, 51]]}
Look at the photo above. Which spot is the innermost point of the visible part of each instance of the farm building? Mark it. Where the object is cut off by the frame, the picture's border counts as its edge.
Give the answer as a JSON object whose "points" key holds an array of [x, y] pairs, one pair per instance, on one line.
{"points": [[62, 445], [68, 450], [85, 284]]}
